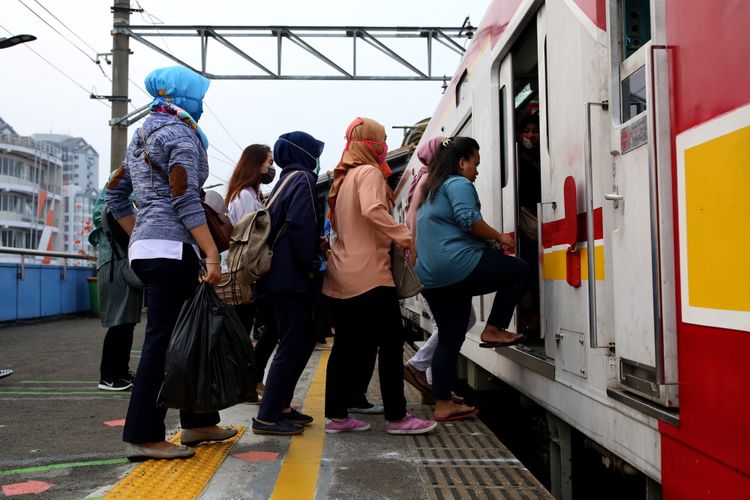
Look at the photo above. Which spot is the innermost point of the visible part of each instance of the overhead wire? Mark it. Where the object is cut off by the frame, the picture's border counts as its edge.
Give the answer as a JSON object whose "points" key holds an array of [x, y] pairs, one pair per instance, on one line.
{"points": [[58, 69], [218, 178], [65, 25], [214, 175], [229, 159], [64, 37], [222, 125], [150, 19], [104, 73], [57, 31], [219, 159]]}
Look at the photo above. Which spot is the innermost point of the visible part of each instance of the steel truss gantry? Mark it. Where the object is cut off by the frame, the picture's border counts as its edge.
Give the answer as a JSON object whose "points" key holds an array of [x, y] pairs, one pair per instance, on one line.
{"points": [[226, 37]]}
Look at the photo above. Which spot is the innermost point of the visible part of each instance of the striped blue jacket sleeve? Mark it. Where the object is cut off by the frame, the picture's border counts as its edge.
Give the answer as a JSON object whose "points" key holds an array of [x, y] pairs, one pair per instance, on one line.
{"points": [[183, 150], [118, 192]]}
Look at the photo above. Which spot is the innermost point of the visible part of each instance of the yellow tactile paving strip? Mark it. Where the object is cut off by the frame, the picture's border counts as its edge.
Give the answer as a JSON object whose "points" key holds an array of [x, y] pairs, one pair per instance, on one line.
{"points": [[178, 479], [298, 477]]}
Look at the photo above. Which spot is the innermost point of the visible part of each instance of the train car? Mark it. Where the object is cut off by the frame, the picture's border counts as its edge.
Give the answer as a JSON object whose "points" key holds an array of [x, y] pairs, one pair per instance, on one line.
{"points": [[639, 321]]}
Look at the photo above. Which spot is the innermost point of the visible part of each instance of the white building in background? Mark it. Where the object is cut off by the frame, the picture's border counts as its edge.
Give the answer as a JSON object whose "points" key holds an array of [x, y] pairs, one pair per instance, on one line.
{"points": [[80, 190], [31, 192], [80, 159]]}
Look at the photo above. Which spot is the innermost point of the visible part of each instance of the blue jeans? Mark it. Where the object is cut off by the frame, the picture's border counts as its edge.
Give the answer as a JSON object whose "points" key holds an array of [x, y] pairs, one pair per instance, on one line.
{"points": [[451, 308]]}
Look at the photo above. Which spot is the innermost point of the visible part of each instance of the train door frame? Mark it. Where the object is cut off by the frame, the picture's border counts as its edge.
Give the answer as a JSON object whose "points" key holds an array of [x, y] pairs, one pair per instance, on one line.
{"points": [[526, 82], [507, 160], [545, 166], [503, 94], [649, 372]]}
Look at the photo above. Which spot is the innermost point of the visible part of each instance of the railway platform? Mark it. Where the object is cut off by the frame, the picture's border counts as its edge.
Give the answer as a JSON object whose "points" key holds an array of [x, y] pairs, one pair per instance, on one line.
{"points": [[61, 438]]}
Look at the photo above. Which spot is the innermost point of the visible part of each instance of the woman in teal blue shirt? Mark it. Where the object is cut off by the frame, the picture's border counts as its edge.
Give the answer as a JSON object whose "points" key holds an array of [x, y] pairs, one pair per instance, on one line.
{"points": [[456, 261]]}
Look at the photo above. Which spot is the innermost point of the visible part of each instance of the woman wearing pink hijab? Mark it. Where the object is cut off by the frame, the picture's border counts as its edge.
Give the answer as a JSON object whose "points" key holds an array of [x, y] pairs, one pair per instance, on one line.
{"points": [[414, 198]]}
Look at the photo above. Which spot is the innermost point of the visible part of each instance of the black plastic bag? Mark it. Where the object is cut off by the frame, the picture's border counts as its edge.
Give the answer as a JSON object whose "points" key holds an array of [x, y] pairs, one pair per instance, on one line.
{"points": [[209, 364]]}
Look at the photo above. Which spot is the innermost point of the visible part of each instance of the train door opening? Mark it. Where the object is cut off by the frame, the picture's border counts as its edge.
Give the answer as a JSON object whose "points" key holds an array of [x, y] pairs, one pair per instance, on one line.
{"points": [[525, 103]]}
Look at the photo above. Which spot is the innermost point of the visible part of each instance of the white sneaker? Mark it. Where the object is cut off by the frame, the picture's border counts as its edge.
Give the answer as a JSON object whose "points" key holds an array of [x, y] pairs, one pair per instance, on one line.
{"points": [[368, 410], [118, 384]]}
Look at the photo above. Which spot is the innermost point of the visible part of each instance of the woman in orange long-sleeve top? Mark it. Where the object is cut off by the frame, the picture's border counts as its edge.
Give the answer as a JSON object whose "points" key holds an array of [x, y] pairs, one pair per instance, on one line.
{"points": [[358, 279]]}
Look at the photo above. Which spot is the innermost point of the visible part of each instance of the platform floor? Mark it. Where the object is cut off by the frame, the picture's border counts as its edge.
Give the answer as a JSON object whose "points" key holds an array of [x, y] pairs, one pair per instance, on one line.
{"points": [[61, 438]]}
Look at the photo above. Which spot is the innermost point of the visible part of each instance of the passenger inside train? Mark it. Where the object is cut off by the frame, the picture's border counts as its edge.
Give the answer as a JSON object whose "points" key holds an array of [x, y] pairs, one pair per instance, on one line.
{"points": [[528, 174]]}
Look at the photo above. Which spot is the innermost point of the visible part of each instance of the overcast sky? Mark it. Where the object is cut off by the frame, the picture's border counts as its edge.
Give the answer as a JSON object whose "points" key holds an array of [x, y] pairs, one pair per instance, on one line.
{"points": [[35, 98]]}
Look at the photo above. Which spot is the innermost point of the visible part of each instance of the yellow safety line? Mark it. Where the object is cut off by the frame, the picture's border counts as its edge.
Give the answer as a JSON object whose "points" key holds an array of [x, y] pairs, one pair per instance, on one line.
{"points": [[298, 478], [178, 479]]}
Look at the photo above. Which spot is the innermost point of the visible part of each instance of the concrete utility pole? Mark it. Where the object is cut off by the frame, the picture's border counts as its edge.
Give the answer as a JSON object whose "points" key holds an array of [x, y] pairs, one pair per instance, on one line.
{"points": [[120, 63]]}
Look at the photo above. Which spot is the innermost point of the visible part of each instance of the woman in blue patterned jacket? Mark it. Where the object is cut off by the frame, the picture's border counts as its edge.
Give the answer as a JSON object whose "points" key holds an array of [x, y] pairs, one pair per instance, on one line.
{"points": [[165, 240]]}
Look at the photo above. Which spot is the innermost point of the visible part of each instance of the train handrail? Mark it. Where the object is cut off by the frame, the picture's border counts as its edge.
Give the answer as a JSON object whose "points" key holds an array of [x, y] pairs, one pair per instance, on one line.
{"points": [[653, 173], [590, 250], [23, 252]]}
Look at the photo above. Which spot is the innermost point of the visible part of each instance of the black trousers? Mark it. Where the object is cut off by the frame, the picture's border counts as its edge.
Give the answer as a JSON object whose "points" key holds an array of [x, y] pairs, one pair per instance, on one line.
{"points": [[116, 352], [269, 336], [359, 381], [293, 320], [168, 284], [246, 312], [364, 324], [321, 310], [451, 307]]}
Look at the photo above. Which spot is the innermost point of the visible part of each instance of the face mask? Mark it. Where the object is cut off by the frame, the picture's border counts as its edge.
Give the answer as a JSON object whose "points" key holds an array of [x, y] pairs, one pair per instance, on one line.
{"points": [[317, 166], [529, 140], [269, 176], [380, 157], [192, 106]]}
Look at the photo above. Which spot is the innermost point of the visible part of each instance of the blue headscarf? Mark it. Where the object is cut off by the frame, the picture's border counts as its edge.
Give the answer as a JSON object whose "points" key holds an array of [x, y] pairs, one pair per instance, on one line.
{"points": [[298, 148], [182, 88]]}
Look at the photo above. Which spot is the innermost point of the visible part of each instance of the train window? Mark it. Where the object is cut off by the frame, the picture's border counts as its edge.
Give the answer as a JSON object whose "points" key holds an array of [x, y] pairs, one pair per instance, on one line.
{"points": [[633, 93], [635, 24], [503, 164], [462, 88], [466, 129]]}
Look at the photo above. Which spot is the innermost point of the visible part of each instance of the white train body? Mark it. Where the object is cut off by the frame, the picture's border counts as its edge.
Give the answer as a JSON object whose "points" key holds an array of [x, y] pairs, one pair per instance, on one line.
{"points": [[607, 361]]}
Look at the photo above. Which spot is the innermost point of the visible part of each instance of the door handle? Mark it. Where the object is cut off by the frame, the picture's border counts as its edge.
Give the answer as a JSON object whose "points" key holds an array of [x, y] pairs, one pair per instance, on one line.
{"points": [[615, 198]]}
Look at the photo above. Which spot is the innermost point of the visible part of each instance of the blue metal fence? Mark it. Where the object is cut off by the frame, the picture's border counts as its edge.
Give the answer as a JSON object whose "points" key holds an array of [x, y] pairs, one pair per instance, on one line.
{"points": [[29, 291]]}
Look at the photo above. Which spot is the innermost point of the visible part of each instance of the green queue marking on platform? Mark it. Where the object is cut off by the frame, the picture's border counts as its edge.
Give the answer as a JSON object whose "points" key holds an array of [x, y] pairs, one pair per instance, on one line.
{"points": [[44, 468], [59, 382], [64, 393]]}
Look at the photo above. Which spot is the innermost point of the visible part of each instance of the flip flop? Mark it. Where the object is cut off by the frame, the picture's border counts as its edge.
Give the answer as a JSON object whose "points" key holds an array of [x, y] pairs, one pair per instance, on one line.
{"points": [[494, 345], [458, 416]]}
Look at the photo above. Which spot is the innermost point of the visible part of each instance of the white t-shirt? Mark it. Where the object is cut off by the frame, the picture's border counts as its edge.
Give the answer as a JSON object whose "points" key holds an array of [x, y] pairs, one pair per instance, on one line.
{"points": [[157, 249], [244, 203]]}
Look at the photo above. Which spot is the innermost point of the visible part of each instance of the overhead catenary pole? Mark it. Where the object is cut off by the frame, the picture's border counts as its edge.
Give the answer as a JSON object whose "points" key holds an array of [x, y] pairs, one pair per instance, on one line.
{"points": [[119, 98]]}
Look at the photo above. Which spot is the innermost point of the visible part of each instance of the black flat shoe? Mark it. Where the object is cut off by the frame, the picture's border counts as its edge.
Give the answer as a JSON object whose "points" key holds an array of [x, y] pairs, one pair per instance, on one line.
{"points": [[296, 417], [280, 428]]}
